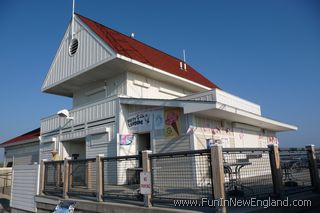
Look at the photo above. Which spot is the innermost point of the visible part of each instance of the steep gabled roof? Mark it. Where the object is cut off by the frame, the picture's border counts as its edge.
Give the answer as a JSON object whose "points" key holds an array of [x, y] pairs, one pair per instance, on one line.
{"points": [[136, 50], [27, 136]]}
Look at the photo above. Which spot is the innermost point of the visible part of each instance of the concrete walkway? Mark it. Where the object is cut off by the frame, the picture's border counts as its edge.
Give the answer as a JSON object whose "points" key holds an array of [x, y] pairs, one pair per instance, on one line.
{"points": [[4, 203]]}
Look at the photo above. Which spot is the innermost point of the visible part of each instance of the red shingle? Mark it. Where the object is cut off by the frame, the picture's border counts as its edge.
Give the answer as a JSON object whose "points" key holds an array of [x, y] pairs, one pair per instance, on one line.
{"points": [[27, 136], [134, 49]]}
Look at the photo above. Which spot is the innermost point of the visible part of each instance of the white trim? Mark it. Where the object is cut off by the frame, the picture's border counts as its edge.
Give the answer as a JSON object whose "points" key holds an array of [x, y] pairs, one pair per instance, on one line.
{"points": [[246, 127], [100, 131], [49, 140], [170, 92], [160, 71], [141, 84], [95, 91]]}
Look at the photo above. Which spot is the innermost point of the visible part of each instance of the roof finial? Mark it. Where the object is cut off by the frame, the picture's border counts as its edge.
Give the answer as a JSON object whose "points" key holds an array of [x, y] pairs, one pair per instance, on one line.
{"points": [[72, 24], [184, 55]]}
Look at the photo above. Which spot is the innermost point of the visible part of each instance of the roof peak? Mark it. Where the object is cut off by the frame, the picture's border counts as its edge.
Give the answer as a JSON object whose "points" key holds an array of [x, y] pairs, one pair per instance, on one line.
{"points": [[129, 37], [144, 53]]}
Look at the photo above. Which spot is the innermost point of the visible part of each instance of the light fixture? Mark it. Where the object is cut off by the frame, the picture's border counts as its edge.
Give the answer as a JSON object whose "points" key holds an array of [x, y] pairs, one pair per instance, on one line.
{"points": [[64, 114]]}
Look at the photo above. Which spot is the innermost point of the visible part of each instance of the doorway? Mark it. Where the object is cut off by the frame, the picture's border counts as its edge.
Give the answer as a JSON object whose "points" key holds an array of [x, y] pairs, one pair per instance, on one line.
{"points": [[75, 148], [143, 142]]}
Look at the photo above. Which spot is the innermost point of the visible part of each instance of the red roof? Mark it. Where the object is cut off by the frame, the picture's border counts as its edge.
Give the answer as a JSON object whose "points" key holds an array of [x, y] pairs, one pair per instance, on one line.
{"points": [[27, 136], [134, 49]]}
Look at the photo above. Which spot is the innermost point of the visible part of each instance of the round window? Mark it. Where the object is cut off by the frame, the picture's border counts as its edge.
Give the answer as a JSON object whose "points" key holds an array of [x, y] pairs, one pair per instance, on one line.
{"points": [[73, 47]]}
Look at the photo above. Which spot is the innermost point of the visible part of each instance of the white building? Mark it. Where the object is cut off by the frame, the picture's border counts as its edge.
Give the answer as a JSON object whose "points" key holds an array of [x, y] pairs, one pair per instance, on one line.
{"points": [[124, 89], [128, 97]]}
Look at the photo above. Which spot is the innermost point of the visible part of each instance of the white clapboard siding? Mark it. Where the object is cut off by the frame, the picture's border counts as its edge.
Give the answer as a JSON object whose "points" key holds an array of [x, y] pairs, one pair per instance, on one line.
{"points": [[24, 187], [92, 112], [91, 52], [163, 145], [102, 143], [23, 154]]}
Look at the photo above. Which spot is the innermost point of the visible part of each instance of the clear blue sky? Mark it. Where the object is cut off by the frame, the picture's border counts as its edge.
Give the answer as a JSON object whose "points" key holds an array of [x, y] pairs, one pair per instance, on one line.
{"points": [[265, 51]]}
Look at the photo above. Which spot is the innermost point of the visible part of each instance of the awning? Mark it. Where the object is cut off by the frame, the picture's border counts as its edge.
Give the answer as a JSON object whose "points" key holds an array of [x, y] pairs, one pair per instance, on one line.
{"points": [[215, 110]]}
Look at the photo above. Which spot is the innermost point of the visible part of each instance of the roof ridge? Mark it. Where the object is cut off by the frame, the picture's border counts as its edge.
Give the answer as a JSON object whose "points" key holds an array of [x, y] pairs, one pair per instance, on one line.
{"points": [[133, 39], [137, 50]]}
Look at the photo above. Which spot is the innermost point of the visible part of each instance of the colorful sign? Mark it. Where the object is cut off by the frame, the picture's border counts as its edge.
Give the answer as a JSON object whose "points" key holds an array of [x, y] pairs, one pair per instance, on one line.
{"points": [[126, 139], [145, 121], [172, 123]]}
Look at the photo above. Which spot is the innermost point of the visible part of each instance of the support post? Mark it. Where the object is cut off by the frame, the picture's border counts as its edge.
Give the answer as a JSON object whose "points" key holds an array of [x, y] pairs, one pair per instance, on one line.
{"points": [[218, 176], [99, 181], [146, 167], [65, 179], [42, 176], [274, 158], [314, 173]]}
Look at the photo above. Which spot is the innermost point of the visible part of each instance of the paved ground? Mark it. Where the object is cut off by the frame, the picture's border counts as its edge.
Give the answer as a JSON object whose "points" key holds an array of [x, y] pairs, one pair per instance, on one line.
{"points": [[5, 202]]}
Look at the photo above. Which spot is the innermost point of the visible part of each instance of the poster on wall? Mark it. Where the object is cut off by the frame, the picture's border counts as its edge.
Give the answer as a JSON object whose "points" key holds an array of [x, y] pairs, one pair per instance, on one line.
{"points": [[158, 119], [172, 123], [140, 122], [126, 139]]}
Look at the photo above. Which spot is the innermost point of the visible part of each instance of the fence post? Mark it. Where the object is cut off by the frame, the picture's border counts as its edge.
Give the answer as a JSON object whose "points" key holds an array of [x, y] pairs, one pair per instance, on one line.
{"points": [[42, 176], [314, 173], [146, 168], [65, 179], [274, 158], [100, 176], [218, 176]]}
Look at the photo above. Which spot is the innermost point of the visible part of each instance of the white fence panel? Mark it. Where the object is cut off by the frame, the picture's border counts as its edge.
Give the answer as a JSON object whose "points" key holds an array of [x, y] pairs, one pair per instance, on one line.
{"points": [[25, 185]]}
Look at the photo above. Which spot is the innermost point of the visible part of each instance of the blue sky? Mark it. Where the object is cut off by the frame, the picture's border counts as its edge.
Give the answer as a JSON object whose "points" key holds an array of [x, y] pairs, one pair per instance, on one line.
{"points": [[265, 51]]}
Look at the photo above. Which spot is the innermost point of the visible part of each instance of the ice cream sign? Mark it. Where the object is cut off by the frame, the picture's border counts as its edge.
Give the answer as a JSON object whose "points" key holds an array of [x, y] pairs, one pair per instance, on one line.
{"points": [[172, 122]]}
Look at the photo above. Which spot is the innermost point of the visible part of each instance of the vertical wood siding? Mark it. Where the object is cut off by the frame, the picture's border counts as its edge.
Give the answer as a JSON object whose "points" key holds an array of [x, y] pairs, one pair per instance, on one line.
{"points": [[90, 52]]}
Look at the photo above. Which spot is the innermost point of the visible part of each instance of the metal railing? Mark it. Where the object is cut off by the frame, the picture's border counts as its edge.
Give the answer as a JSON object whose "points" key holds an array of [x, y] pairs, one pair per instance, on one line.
{"points": [[181, 175], [197, 174], [5, 180], [247, 172], [53, 181], [82, 177], [121, 177], [317, 152], [295, 170]]}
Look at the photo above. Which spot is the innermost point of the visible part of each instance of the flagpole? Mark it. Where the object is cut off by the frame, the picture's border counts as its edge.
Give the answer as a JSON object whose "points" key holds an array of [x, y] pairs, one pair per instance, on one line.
{"points": [[72, 24]]}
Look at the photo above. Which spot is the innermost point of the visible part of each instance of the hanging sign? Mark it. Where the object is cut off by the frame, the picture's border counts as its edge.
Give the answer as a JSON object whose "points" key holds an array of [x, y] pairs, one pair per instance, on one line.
{"points": [[140, 122]]}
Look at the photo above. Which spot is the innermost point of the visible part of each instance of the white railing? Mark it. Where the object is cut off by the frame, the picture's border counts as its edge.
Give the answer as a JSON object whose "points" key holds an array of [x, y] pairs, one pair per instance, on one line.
{"points": [[82, 115]]}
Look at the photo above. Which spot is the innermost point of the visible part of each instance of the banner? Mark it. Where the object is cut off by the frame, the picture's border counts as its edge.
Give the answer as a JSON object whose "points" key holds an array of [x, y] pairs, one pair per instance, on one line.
{"points": [[126, 139], [140, 122], [172, 123]]}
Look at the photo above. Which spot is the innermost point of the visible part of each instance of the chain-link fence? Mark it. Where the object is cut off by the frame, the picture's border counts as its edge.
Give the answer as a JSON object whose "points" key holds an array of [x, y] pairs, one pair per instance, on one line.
{"points": [[122, 177], [53, 181], [295, 170], [82, 177], [181, 175], [318, 160], [247, 172]]}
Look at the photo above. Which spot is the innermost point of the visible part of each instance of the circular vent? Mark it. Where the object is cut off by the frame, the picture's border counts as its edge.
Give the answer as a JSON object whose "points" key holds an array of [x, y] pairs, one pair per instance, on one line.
{"points": [[73, 46]]}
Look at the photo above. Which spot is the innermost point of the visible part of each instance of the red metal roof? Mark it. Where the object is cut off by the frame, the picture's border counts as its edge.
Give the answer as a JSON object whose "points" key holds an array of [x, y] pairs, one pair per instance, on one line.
{"points": [[134, 49], [27, 136]]}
